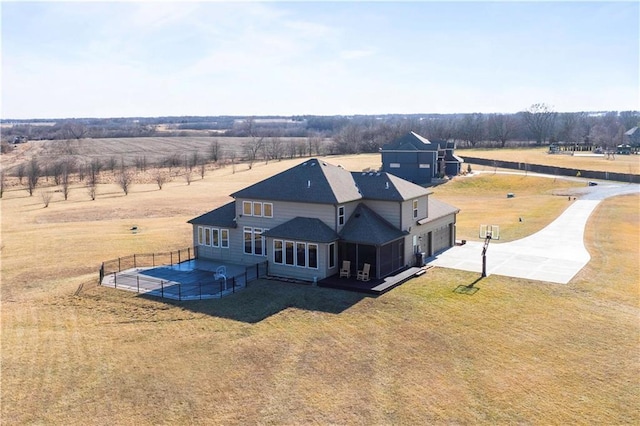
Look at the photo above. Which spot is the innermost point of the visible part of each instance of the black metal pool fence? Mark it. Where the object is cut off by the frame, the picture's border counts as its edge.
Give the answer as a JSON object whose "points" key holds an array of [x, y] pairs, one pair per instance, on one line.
{"points": [[135, 273], [146, 260]]}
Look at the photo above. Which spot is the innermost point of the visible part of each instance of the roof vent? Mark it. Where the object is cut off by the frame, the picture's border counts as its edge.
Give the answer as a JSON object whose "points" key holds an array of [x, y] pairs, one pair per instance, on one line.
{"points": [[309, 184], [386, 185]]}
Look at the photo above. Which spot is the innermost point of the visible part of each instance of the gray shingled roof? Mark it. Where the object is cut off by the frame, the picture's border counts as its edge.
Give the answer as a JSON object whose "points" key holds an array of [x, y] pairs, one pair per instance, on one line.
{"points": [[387, 187], [411, 142], [366, 227], [438, 209], [303, 229], [222, 216], [313, 181]]}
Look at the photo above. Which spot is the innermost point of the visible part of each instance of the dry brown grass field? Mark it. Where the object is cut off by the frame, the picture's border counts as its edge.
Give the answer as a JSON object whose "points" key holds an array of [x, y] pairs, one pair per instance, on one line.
{"points": [[153, 149], [621, 163], [515, 352]]}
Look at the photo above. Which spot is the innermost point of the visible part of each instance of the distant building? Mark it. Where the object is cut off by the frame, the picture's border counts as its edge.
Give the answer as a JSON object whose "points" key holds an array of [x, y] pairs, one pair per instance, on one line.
{"points": [[419, 160], [633, 136]]}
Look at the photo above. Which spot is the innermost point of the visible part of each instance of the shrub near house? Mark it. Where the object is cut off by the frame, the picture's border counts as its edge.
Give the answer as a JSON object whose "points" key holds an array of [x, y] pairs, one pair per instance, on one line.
{"points": [[306, 220]]}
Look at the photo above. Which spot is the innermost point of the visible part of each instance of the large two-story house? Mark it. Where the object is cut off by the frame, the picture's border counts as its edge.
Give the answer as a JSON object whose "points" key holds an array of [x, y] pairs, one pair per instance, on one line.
{"points": [[419, 160], [306, 220]]}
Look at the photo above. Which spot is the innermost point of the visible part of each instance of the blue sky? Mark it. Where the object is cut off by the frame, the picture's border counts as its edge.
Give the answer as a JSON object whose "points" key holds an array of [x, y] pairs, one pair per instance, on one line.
{"points": [[122, 59]]}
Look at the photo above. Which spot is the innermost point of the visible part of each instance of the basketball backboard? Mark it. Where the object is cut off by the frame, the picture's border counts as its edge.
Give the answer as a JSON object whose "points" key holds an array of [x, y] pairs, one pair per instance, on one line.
{"points": [[492, 231]]}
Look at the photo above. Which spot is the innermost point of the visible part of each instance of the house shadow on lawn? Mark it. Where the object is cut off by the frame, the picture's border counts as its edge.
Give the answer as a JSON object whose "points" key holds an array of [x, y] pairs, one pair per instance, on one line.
{"points": [[264, 298]]}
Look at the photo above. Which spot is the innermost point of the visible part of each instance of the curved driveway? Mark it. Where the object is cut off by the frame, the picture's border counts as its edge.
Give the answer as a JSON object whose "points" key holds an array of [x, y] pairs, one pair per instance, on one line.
{"points": [[554, 254]]}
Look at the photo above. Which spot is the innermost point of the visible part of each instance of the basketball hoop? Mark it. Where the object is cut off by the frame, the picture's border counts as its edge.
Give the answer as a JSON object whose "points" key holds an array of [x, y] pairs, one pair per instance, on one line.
{"points": [[488, 232]]}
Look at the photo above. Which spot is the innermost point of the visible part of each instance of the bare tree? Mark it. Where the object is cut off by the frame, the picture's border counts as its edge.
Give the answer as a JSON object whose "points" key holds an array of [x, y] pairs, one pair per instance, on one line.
{"points": [[540, 120], [65, 179], [203, 168], [73, 129], [501, 128], [112, 163], [214, 151], [56, 171], [272, 148], [232, 157], [194, 160], [46, 197], [33, 175], [349, 139], [251, 147], [472, 128], [92, 186], [161, 177], [314, 140], [2, 182], [569, 127], [141, 163], [125, 180], [95, 166], [188, 176], [20, 171]]}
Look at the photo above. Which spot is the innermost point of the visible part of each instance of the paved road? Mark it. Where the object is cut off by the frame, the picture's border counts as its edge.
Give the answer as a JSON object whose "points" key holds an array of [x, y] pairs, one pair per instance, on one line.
{"points": [[554, 254]]}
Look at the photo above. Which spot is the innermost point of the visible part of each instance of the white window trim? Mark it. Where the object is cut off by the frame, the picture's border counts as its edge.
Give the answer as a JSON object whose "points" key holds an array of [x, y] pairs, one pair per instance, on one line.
{"points": [[294, 259], [264, 205], [203, 231], [257, 204], [331, 259], [247, 205], [341, 215], [254, 232]]}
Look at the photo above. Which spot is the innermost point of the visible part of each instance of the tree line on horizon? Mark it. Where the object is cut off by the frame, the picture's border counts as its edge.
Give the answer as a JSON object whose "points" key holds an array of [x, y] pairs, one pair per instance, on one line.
{"points": [[538, 124]]}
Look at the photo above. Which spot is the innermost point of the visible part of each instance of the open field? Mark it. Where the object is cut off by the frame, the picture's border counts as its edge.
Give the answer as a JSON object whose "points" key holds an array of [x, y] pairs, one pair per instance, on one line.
{"points": [[153, 149], [621, 163], [515, 352]]}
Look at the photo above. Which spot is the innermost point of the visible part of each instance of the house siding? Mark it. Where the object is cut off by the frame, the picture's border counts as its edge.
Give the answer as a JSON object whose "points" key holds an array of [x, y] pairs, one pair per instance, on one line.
{"points": [[410, 162], [388, 210], [302, 273], [395, 207]]}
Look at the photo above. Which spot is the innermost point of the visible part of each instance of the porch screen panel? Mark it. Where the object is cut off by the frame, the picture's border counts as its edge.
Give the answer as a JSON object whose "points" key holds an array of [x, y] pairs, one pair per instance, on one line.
{"points": [[386, 259]]}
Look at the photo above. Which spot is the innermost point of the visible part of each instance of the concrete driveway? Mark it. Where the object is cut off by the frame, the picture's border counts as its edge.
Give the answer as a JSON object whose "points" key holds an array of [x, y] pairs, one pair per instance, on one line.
{"points": [[554, 254]]}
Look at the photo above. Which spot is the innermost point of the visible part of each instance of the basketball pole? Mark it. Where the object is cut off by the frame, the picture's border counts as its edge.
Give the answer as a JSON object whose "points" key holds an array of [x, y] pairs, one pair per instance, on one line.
{"points": [[484, 255]]}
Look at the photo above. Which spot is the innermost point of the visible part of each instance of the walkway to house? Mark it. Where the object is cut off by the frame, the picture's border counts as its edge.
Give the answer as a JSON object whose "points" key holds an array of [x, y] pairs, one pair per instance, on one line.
{"points": [[554, 254]]}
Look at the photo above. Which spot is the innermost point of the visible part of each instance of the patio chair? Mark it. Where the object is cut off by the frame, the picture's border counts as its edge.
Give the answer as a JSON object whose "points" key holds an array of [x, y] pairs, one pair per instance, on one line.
{"points": [[221, 273], [363, 275], [345, 271]]}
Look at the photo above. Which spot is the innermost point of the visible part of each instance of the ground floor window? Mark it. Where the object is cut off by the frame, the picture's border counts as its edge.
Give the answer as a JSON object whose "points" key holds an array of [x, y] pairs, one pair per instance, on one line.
{"points": [[213, 237], [295, 253], [332, 255], [254, 242]]}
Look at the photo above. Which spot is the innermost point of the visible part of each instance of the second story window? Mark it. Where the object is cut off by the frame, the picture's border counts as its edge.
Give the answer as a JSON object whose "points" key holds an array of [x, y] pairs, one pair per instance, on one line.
{"points": [[257, 209], [415, 209], [267, 210], [341, 215], [247, 210]]}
